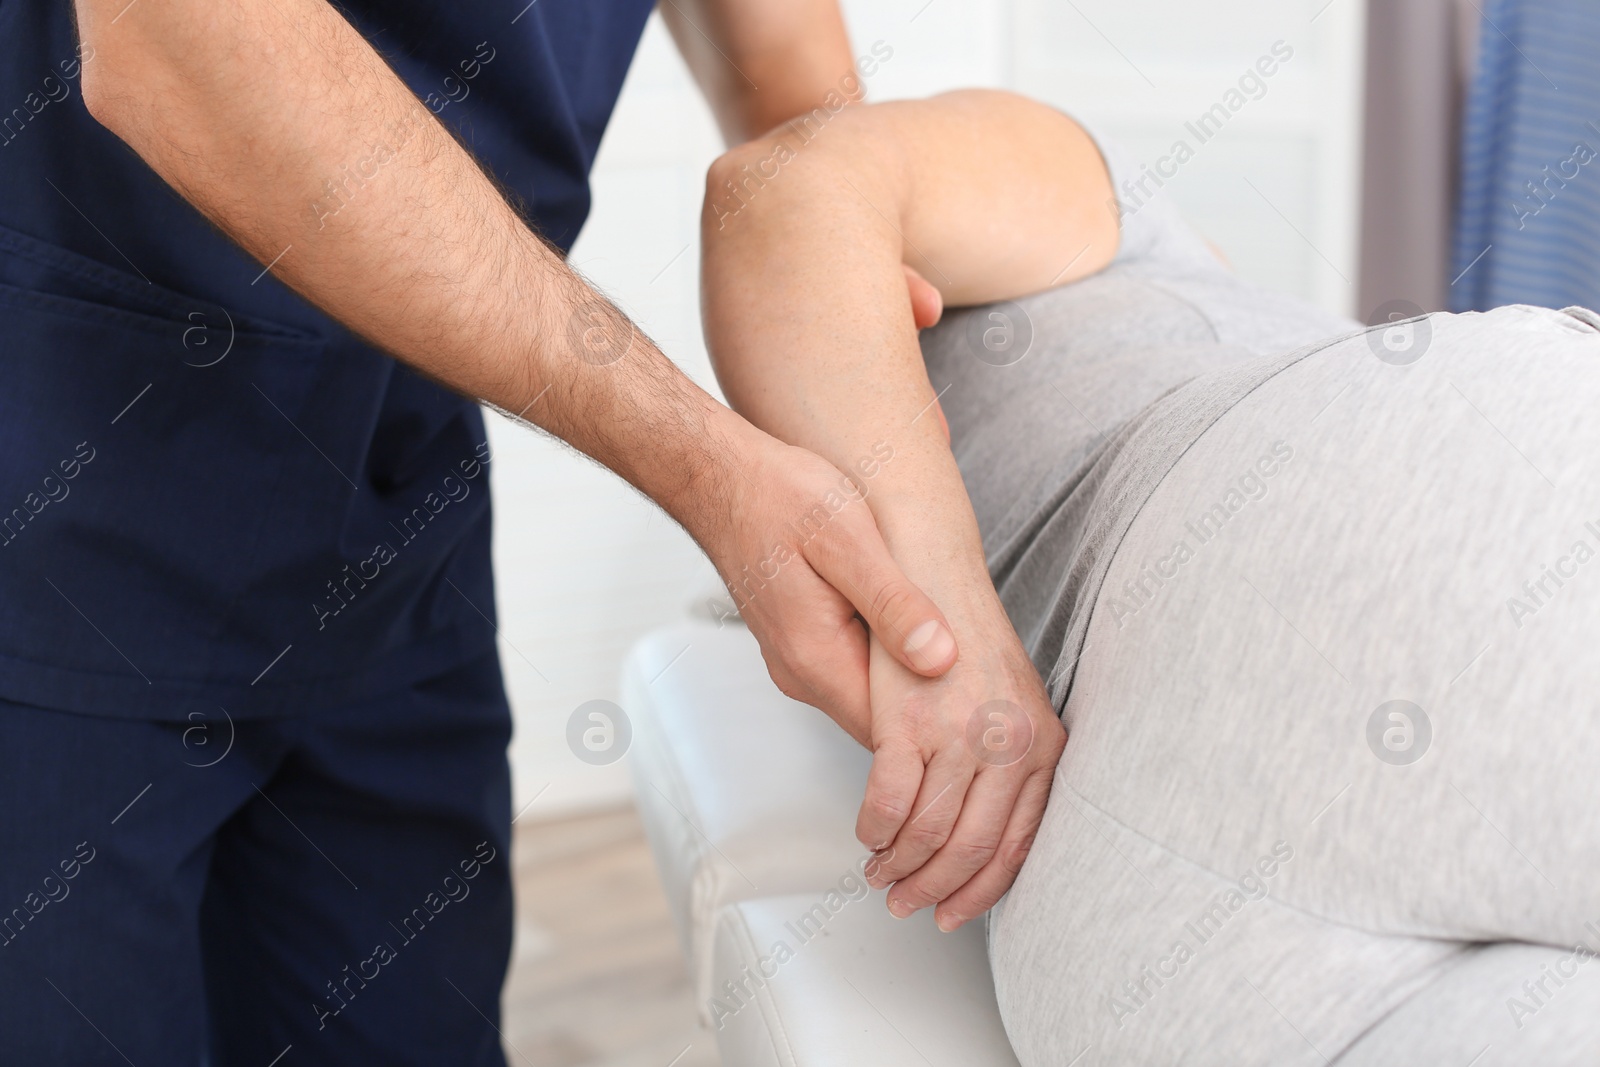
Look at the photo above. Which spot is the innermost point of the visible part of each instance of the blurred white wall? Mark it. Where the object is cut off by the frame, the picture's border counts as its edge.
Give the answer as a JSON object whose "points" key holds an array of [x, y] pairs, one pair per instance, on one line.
{"points": [[586, 566], [1277, 189]]}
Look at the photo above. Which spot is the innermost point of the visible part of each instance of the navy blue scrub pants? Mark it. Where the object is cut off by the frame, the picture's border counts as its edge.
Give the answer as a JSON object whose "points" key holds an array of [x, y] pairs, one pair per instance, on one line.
{"points": [[332, 888]]}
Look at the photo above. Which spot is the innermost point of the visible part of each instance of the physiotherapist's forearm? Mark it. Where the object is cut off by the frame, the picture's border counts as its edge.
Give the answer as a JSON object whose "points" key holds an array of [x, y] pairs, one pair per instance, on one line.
{"points": [[762, 62], [249, 109]]}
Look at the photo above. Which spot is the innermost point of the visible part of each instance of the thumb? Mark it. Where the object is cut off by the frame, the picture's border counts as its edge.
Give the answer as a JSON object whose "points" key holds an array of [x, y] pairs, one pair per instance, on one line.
{"points": [[927, 303], [907, 623]]}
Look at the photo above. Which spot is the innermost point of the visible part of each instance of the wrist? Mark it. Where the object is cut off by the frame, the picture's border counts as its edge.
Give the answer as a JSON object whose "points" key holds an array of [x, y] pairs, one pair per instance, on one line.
{"points": [[929, 527], [698, 483]]}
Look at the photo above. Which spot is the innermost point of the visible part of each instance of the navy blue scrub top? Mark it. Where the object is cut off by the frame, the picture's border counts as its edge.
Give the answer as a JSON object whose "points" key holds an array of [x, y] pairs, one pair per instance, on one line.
{"points": [[211, 494]]}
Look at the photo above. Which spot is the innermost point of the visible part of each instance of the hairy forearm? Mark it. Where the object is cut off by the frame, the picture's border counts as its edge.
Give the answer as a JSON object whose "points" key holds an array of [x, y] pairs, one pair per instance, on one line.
{"points": [[259, 111], [987, 195]]}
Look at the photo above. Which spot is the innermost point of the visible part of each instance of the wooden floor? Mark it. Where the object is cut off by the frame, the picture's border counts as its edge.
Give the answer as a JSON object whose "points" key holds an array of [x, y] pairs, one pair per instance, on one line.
{"points": [[597, 979]]}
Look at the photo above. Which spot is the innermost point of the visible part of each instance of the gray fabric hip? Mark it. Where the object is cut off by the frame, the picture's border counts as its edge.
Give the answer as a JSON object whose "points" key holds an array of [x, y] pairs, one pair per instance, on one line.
{"points": [[1320, 627]]}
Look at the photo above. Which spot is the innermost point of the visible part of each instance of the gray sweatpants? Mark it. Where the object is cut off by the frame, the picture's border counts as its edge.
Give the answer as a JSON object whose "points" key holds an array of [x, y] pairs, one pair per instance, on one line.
{"points": [[1319, 606]]}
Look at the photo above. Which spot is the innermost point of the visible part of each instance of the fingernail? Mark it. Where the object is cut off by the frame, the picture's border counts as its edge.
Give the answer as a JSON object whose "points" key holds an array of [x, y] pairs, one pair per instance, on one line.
{"points": [[899, 908], [930, 645], [877, 881], [947, 923]]}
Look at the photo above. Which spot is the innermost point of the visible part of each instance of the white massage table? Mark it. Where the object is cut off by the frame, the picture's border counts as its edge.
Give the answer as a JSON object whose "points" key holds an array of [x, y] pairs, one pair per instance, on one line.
{"points": [[749, 799]]}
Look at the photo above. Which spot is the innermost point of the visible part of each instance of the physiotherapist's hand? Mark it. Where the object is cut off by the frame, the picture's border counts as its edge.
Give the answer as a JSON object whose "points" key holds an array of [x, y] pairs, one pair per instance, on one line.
{"points": [[961, 770], [803, 559]]}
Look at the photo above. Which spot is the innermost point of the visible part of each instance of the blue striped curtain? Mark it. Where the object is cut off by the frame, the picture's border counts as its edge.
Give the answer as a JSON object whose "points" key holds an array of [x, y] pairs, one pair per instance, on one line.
{"points": [[1528, 218]]}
